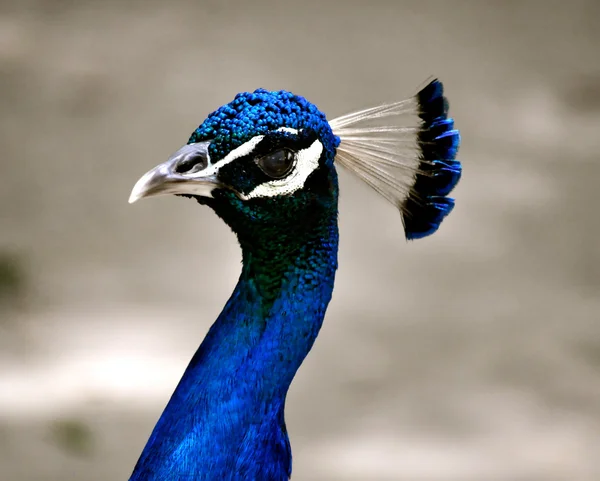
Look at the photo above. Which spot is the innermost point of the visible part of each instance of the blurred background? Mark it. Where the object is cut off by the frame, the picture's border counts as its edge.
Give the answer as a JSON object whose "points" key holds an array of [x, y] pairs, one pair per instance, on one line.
{"points": [[473, 355]]}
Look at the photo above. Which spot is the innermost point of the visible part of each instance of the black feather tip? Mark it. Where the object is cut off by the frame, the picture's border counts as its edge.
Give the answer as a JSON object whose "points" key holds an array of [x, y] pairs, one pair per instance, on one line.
{"points": [[439, 172]]}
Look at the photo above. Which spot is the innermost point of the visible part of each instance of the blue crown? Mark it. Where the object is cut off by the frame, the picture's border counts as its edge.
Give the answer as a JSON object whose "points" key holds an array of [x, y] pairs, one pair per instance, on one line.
{"points": [[259, 112]]}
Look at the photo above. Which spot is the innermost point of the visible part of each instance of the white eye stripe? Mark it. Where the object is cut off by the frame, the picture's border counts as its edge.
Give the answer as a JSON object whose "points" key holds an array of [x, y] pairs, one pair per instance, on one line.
{"points": [[289, 130], [241, 151], [307, 161]]}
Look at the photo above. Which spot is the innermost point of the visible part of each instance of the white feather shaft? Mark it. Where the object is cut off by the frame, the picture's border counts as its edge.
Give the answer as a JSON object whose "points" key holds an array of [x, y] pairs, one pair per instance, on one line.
{"points": [[385, 110]]}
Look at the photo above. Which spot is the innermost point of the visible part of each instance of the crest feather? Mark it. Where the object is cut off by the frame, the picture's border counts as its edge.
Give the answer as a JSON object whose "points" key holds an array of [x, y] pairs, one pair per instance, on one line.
{"points": [[406, 151]]}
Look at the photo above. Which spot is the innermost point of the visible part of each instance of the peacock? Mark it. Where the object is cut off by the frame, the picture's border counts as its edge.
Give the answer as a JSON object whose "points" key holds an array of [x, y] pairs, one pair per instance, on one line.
{"points": [[266, 164]]}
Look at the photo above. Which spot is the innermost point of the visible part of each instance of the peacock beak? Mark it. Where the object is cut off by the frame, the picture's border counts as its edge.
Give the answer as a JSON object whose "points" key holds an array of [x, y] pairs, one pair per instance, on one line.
{"points": [[188, 171]]}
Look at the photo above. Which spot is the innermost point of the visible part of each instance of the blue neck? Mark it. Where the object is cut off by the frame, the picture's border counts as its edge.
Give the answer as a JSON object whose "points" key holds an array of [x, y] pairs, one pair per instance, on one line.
{"points": [[225, 420]]}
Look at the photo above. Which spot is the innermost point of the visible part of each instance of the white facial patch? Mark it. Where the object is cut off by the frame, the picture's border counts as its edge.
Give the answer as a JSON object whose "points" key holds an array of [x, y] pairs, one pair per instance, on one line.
{"points": [[241, 151], [289, 130], [307, 161]]}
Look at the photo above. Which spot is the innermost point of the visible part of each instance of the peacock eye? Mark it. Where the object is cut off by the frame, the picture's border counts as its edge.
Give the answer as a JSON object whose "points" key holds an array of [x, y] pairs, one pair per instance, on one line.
{"points": [[277, 164]]}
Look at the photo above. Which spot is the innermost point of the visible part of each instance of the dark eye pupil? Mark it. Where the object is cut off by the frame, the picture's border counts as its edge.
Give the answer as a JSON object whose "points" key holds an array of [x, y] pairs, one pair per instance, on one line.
{"points": [[277, 164]]}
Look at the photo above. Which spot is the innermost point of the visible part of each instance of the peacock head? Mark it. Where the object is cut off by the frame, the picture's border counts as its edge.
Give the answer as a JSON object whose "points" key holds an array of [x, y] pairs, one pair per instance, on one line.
{"points": [[265, 160]]}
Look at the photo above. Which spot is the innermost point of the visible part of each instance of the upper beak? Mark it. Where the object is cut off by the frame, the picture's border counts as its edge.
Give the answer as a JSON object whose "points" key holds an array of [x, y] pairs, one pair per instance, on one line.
{"points": [[188, 171]]}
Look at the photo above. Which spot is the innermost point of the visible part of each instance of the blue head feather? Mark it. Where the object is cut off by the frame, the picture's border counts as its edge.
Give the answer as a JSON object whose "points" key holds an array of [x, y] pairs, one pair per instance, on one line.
{"points": [[257, 113], [264, 112]]}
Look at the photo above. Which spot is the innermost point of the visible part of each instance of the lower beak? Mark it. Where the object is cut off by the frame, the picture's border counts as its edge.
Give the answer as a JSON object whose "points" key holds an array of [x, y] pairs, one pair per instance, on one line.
{"points": [[188, 171]]}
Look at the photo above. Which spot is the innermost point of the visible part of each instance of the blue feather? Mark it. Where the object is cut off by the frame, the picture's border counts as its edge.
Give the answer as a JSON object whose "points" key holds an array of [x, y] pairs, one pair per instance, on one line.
{"points": [[438, 172]]}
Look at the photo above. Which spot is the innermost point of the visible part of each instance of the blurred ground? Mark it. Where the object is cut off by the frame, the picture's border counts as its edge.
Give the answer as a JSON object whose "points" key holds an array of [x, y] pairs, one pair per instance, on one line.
{"points": [[473, 355]]}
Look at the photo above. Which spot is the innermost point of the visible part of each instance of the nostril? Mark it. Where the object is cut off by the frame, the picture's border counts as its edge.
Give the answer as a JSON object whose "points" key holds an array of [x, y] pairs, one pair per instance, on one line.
{"points": [[191, 164]]}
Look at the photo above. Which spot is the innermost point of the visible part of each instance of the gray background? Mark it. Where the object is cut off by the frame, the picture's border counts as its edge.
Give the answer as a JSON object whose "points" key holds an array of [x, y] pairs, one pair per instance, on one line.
{"points": [[473, 355]]}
